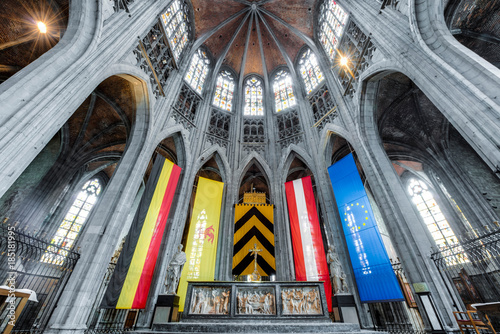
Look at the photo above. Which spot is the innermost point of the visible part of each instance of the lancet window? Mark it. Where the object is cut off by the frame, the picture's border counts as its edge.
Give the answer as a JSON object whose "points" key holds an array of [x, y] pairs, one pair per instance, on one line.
{"points": [[253, 97], [198, 70], [283, 92], [310, 71], [433, 218], [331, 22], [224, 91], [176, 28], [72, 224]]}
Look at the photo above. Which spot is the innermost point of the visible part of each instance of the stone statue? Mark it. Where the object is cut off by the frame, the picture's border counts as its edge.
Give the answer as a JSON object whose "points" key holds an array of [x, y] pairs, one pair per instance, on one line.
{"points": [[174, 270], [338, 276]]}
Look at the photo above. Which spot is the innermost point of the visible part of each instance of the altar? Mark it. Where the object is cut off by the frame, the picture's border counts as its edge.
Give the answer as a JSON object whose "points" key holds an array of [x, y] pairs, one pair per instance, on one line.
{"points": [[230, 301]]}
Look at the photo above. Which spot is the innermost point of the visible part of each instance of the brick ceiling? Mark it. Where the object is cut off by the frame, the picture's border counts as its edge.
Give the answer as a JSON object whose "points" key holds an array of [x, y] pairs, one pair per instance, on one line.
{"points": [[261, 27]]}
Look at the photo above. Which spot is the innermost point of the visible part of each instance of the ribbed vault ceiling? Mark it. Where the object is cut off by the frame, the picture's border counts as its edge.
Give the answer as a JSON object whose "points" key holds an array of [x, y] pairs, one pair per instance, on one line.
{"points": [[253, 36]]}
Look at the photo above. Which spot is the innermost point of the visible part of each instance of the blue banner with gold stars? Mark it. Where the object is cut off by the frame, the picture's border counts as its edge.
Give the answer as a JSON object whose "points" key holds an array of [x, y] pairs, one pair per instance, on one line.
{"points": [[372, 268]]}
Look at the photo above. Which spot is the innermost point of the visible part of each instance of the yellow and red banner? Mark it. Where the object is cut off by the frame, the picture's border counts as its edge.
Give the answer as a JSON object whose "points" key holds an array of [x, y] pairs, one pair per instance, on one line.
{"points": [[201, 248], [131, 280]]}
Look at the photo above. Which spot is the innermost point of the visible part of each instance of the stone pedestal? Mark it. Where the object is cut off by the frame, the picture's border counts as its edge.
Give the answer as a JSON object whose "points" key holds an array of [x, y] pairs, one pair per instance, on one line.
{"points": [[166, 309], [344, 308]]}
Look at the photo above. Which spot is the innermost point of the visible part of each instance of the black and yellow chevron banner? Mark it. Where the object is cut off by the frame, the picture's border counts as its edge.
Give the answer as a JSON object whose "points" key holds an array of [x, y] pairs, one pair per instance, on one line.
{"points": [[253, 225]]}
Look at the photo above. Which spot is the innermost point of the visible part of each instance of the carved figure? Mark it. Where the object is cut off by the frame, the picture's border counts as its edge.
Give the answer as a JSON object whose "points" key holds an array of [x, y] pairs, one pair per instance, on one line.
{"points": [[301, 301], [174, 270], [338, 276]]}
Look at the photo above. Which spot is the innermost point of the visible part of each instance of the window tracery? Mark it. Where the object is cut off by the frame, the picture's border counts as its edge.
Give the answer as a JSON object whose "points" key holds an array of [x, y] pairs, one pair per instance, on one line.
{"points": [[253, 97], [198, 70], [72, 224], [331, 22], [310, 71], [175, 21], [224, 91], [323, 106], [433, 218], [283, 91]]}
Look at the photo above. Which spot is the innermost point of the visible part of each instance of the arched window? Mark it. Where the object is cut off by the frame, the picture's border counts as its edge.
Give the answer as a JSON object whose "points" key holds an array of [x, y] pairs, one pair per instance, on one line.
{"points": [[283, 92], [310, 71], [331, 22], [198, 70], [433, 217], [175, 24], [72, 223], [224, 90], [253, 97]]}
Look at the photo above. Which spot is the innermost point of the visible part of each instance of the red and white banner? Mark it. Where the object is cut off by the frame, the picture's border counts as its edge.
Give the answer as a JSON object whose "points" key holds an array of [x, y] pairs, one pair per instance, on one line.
{"points": [[308, 251]]}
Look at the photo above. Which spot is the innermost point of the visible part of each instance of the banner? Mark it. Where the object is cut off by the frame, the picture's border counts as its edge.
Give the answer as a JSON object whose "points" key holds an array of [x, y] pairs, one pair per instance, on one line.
{"points": [[201, 248], [308, 251], [372, 268], [253, 225], [129, 285]]}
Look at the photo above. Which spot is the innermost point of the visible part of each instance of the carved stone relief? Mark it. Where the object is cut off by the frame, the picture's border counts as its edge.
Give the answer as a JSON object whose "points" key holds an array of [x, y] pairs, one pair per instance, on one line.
{"points": [[301, 300], [256, 301], [210, 300]]}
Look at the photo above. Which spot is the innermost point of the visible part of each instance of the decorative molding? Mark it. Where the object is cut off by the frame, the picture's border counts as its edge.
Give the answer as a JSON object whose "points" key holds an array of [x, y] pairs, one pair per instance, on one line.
{"points": [[359, 48], [323, 106], [185, 107], [289, 128]]}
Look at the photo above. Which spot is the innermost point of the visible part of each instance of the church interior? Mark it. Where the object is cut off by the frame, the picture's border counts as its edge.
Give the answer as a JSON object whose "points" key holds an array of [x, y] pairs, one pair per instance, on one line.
{"points": [[249, 166]]}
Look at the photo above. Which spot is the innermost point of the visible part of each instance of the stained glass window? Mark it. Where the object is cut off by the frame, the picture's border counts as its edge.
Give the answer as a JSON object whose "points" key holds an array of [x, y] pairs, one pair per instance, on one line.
{"points": [[283, 92], [175, 24], [253, 97], [224, 90], [332, 21], [310, 71], [198, 70], [435, 221], [72, 223]]}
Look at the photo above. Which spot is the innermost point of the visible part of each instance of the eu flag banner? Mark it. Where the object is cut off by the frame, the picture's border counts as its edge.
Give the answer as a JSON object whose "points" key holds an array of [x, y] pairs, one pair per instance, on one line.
{"points": [[372, 268]]}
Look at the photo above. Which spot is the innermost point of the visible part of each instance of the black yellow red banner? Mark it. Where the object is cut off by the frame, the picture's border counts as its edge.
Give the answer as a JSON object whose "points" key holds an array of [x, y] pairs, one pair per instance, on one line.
{"points": [[131, 280]]}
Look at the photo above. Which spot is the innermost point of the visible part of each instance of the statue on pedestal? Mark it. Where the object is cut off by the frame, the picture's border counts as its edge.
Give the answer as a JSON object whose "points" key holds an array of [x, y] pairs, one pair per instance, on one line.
{"points": [[338, 276], [174, 270]]}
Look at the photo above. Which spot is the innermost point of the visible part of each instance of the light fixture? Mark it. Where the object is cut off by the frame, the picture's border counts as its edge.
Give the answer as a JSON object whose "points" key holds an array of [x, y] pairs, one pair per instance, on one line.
{"points": [[42, 27]]}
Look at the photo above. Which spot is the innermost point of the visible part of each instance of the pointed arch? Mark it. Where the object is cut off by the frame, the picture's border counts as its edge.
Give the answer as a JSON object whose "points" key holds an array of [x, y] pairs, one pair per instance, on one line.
{"points": [[261, 165]]}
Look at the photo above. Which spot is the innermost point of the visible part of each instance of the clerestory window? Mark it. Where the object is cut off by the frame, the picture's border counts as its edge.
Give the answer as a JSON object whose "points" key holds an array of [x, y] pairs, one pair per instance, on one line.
{"points": [[175, 23], [310, 71], [283, 92], [224, 91], [198, 70], [253, 97], [331, 22]]}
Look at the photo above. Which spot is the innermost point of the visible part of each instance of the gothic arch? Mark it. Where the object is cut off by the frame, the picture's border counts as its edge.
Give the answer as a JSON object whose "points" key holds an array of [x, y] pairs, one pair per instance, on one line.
{"points": [[428, 25], [293, 151], [262, 166], [220, 159]]}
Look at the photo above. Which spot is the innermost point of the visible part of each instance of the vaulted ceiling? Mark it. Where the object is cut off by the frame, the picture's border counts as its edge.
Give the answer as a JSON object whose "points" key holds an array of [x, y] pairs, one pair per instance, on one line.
{"points": [[254, 36]]}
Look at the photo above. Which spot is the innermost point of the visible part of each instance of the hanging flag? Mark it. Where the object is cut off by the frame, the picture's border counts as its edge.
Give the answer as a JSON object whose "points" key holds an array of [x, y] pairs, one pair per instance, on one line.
{"points": [[372, 268], [201, 248], [253, 225], [129, 285], [308, 251]]}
